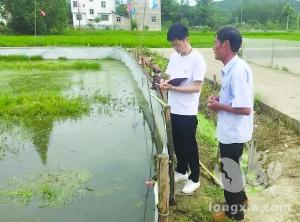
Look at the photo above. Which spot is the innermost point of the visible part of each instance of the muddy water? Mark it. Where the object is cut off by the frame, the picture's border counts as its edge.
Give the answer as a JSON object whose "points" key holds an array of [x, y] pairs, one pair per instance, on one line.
{"points": [[113, 143]]}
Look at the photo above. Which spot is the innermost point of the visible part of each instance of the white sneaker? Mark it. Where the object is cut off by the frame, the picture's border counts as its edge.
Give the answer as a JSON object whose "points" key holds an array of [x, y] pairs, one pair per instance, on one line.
{"points": [[190, 187], [180, 176]]}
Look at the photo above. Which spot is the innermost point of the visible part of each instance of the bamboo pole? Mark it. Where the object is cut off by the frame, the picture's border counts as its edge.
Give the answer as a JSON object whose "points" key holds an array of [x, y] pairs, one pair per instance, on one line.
{"points": [[163, 187], [210, 174], [170, 145]]}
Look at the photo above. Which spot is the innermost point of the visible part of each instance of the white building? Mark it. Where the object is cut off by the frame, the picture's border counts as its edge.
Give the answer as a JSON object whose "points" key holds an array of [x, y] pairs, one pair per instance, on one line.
{"points": [[98, 14], [102, 14]]}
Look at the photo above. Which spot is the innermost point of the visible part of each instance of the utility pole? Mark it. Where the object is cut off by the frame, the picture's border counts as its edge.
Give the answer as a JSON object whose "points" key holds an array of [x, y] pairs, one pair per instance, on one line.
{"points": [[242, 8], [298, 22], [35, 21], [241, 15], [79, 14]]}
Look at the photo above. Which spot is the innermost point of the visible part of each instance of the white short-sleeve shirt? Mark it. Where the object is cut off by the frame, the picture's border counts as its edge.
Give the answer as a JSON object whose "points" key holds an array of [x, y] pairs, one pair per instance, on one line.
{"points": [[236, 91], [192, 67]]}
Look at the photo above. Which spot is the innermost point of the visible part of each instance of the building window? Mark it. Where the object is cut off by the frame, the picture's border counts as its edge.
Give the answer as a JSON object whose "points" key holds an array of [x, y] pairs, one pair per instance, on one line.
{"points": [[78, 17], [103, 4], [118, 19], [153, 19], [92, 11], [104, 17], [90, 20], [75, 4]]}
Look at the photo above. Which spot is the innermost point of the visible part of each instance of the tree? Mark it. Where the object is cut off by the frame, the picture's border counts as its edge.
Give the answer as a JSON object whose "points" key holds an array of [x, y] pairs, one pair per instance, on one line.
{"points": [[288, 14], [205, 13], [169, 11], [121, 8], [21, 15]]}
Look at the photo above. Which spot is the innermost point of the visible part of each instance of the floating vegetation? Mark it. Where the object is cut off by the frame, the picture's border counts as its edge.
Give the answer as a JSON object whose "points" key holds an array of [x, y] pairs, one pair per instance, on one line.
{"points": [[53, 188]]}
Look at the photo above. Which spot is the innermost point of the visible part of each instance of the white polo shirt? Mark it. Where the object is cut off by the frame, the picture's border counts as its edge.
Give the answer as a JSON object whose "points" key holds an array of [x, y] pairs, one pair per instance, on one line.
{"points": [[192, 67]]}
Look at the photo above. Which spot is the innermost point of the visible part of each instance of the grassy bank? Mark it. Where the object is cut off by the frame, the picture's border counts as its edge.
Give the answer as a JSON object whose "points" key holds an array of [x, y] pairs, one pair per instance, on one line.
{"points": [[126, 39]]}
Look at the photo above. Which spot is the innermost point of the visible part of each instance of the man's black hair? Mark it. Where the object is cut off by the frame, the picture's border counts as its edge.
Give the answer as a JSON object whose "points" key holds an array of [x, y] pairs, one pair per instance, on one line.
{"points": [[232, 35], [177, 31]]}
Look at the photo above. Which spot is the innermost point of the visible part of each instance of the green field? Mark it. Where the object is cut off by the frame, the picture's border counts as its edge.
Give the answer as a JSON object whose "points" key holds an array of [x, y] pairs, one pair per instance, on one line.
{"points": [[126, 39]]}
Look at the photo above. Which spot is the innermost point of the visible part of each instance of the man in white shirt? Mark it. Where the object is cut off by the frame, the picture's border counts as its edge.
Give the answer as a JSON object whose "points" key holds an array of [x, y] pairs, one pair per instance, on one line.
{"points": [[235, 117], [185, 63]]}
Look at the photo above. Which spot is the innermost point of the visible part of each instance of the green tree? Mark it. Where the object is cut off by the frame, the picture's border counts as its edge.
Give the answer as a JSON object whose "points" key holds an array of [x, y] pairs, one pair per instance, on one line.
{"points": [[121, 8], [205, 13], [169, 11], [288, 14], [21, 15]]}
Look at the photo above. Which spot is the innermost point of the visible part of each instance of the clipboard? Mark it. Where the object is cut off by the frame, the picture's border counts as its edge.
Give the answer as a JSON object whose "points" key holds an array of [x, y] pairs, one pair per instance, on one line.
{"points": [[177, 81]]}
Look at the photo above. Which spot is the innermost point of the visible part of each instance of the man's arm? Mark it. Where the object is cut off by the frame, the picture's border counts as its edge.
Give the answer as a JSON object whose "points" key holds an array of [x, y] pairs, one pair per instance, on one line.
{"points": [[216, 106], [194, 88]]}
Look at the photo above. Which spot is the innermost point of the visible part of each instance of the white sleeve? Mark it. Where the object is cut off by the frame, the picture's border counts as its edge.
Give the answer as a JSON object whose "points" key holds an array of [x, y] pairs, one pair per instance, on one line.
{"points": [[241, 90], [168, 70], [199, 69]]}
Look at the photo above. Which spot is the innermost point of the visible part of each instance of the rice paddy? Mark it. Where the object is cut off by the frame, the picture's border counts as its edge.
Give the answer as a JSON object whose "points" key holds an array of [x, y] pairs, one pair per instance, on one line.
{"points": [[127, 38]]}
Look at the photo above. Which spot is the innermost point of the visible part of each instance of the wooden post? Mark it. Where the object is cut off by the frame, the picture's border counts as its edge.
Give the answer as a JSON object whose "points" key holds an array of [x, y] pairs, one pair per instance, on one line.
{"points": [[170, 145], [252, 155], [163, 187], [215, 82]]}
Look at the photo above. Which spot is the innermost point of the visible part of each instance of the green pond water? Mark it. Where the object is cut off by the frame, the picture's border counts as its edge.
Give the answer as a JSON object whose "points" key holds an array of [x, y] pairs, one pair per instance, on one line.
{"points": [[111, 145]]}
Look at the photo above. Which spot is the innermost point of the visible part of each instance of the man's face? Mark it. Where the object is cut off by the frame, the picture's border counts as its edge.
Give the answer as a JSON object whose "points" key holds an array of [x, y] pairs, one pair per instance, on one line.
{"points": [[220, 49], [179, 45]]}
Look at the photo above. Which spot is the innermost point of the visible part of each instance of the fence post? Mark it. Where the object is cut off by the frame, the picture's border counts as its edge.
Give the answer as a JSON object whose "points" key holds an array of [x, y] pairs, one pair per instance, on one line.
{"points": [[163, 187], [170, 145]]}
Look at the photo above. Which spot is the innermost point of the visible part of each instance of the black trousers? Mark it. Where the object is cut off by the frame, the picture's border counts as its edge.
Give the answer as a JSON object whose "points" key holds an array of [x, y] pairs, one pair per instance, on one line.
{"points": [[232, 179], [186, 148]]}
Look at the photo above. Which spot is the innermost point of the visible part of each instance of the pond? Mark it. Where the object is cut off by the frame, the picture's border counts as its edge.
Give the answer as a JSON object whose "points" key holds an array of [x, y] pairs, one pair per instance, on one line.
{"points": [[100, 159]]}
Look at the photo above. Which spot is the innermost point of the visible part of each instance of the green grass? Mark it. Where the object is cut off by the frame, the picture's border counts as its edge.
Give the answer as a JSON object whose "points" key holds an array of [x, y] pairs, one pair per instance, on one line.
{"points": [[50, 65], [20, 58], [53, 188], [127, 39], [207, 131], [40, 106]]}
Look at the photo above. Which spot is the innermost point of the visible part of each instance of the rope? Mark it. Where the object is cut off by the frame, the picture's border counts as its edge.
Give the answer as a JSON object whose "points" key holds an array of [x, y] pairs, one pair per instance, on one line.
{"points": [[163, 215]]}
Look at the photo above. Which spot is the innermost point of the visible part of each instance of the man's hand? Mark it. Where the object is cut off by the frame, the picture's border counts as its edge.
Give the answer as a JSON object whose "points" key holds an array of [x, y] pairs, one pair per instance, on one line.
{"points": [[211, 98], [166, 86], [214, 105]]}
